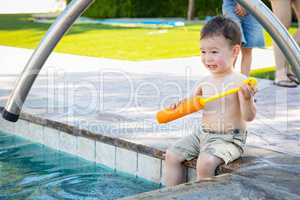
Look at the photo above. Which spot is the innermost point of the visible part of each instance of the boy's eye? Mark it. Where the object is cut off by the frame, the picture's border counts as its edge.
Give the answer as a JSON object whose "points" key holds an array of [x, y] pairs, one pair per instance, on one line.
{"points": [[214, 52], [203, 52]]}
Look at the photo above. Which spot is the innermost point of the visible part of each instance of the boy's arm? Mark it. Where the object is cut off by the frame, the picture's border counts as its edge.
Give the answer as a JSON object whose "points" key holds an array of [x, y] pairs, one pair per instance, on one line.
{"points": [[247, 105], [197, 92]]}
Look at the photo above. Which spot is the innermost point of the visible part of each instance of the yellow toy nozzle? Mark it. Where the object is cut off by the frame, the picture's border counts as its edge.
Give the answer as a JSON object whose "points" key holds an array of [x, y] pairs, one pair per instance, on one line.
{"points": [[252, 82]]}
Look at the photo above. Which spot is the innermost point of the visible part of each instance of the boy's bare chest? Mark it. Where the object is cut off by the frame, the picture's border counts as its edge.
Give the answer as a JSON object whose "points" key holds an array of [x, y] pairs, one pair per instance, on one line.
{"points": [[228, 103]]}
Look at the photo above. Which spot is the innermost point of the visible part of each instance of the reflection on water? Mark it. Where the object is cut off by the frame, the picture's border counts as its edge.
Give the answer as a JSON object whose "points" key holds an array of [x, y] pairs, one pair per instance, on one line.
{"points": [[33, 171]]}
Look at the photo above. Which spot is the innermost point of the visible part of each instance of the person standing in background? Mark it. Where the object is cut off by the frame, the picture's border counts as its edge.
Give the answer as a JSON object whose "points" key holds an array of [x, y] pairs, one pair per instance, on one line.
{"points": [[284, 77], [252, 31]]}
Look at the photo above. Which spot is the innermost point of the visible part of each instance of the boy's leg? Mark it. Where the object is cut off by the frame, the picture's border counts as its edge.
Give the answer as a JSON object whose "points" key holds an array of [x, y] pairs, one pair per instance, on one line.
{"points": [[218, 149], [206, 165], [246, 61], [186, 148], [175, 171]]}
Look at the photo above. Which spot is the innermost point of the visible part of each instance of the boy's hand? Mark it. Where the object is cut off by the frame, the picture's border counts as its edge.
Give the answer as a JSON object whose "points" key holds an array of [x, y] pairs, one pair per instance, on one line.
{"points": [[175, 105], [248, 92], [240, 11]]}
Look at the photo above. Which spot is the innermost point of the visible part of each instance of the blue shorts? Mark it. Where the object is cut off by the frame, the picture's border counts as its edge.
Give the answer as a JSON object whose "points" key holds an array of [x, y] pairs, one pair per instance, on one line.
{"points": [[252, 31]]}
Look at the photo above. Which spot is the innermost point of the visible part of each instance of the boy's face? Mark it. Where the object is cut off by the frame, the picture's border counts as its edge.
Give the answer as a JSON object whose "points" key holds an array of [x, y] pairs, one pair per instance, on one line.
{"points": [[218, 55]]}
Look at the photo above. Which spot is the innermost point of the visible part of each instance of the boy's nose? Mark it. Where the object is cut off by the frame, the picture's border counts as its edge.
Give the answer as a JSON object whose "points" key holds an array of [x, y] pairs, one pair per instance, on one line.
{"points": [[208, 59]]}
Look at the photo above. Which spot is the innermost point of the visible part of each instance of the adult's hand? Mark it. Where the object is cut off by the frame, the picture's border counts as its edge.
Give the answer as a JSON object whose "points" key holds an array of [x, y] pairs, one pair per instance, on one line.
{"points": [[239, 10]]}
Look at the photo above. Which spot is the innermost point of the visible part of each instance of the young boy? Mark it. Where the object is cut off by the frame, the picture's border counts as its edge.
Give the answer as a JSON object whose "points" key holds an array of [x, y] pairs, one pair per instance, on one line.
{"points": [[223, 133]]}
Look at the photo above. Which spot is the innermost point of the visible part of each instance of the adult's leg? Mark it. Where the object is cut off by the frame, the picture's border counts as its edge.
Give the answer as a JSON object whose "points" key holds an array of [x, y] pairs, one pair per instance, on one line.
{"points": [[254, 37], [296, 8], [206, 165], [282, 9], [246, 61], [175, 172]]}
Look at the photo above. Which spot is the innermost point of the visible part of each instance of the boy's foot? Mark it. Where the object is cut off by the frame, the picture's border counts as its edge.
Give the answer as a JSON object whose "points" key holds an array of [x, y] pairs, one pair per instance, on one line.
{"points": [[285, 83], [293, 78]]}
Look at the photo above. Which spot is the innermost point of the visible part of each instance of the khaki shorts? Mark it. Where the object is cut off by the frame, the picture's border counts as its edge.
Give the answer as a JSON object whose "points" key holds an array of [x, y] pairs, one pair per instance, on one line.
{"points": [[227, 146]]}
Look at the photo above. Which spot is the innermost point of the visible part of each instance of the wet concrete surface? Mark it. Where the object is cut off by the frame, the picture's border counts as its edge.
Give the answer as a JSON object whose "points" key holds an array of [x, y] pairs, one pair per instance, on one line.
{"points": [[268, 178]]}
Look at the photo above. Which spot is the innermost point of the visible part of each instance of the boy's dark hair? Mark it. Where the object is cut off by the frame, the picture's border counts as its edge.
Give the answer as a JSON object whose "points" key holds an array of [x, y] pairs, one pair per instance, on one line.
{"points": [[222, 26]]}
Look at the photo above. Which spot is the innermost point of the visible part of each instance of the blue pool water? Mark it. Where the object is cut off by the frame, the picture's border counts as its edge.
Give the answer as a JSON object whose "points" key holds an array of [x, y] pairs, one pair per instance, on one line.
{"points": [[33, 171], [124, 22]]}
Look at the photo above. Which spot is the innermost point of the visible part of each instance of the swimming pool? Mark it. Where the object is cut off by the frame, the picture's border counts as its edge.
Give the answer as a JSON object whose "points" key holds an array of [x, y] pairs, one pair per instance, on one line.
{"points": [[33, 171], [125, 22]]}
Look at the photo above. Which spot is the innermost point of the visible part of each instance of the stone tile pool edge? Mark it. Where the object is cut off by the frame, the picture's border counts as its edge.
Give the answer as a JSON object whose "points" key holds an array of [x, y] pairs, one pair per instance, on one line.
{"points": [[116, 153]]}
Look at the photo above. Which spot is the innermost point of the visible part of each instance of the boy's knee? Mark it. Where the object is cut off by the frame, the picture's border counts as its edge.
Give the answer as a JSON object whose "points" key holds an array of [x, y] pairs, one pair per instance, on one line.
{"points": [[173, 158], [206, 166]]}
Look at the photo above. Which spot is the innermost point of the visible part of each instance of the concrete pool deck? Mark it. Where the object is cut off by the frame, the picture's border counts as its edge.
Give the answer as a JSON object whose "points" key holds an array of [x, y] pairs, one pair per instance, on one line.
{"points": [[120, 99]]}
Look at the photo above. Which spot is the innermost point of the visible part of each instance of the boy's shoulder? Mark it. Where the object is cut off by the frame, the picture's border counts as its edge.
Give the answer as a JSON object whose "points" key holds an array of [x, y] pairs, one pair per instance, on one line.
{"points": [[238, 77], [233, 80]]}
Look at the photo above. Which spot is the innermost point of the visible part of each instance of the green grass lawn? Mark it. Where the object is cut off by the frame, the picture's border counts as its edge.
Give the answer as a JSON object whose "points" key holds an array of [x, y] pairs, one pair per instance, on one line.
{"points": [[265, 73], [107, 41]]}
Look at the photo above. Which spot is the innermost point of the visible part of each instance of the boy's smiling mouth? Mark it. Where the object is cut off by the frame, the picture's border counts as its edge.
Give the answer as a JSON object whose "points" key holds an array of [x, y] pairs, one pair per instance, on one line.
{"points": [[212, 66]]}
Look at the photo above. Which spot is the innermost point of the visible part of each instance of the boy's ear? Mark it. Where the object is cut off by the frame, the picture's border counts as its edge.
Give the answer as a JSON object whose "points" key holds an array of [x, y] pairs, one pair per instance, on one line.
{"points": [[236, 50]]}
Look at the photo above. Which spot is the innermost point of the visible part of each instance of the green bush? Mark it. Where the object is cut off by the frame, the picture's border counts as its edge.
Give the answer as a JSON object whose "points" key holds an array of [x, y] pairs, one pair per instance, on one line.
{"points": [[208, 8], [153, 8], [150, 8]]}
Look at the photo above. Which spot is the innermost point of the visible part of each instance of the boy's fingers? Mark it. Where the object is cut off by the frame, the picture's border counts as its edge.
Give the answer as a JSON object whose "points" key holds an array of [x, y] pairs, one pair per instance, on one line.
{"points": [[172, 106], [246, 91], [251, 90], [175, 105], [246, 88], [254, 90]]}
